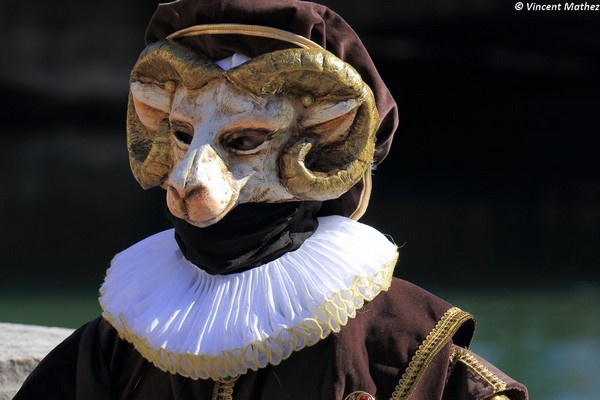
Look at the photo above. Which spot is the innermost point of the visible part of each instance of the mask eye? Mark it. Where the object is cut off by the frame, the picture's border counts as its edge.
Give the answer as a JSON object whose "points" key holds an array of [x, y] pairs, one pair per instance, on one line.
{"points": [[244, 142], [182, 132], [183, 137]]}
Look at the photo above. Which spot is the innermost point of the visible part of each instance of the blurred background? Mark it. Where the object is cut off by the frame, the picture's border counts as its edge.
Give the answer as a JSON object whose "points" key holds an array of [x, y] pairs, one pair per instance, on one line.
{"points": [[492, 187]]}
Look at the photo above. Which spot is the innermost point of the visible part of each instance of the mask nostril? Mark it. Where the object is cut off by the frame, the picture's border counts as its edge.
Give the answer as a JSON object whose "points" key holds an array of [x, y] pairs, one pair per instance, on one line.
{"points": [[177, 194], [196, 192]]}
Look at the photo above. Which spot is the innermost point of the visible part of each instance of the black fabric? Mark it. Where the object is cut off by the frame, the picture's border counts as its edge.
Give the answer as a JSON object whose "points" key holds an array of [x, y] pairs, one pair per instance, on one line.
{"points": [[93, 377], [249, 235]]}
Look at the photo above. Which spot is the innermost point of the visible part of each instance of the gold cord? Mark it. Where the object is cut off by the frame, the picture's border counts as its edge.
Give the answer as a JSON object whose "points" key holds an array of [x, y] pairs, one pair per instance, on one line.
{"points": [[247, 30]]}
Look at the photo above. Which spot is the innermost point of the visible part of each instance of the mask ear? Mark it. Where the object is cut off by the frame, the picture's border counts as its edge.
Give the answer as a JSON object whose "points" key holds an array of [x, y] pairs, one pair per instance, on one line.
{"points": [[335, 142], [161, 68], [152, 104], [150, 148], [329, 122]]}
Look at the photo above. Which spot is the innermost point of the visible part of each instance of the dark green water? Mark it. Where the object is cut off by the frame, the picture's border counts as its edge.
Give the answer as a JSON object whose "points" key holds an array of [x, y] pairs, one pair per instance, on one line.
{"points": [[549, 340]]}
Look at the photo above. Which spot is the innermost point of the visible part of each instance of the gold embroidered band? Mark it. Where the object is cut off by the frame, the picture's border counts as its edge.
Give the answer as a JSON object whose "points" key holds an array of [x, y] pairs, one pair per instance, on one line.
{"points": [[433, 343], [466, 357], [246, 30], [223, 389]]}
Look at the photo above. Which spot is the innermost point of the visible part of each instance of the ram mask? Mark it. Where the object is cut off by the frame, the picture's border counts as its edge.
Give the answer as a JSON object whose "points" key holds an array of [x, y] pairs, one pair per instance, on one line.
{"points": [[294, 124]]}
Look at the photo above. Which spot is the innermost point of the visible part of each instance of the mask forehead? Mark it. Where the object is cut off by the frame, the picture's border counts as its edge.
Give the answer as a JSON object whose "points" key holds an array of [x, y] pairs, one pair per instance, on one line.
{"points": [[221, 104]]}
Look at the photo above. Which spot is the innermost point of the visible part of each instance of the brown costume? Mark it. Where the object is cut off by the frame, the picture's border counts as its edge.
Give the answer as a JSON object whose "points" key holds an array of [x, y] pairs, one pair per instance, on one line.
{"points": [[377, 337], [375, 353]]}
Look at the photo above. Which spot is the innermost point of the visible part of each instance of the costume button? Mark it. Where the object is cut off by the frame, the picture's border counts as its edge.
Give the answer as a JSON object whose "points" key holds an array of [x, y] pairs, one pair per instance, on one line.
{"points": [[359, 395]]}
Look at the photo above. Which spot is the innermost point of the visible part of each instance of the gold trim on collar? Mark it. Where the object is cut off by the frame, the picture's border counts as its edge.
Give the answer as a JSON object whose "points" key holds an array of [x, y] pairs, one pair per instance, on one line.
{"points": [[246, 30], [433, 343]]}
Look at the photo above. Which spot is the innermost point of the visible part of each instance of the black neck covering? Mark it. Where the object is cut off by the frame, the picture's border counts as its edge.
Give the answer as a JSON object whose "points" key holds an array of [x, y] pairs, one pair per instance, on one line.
{"points": [[250, 235]]}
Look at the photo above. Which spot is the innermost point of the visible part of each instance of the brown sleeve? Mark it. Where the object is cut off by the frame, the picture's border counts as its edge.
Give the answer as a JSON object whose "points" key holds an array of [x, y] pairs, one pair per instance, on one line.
{"points": [[54, 376], [373, 352], [66, 371], [472, 377], [407, 343]]}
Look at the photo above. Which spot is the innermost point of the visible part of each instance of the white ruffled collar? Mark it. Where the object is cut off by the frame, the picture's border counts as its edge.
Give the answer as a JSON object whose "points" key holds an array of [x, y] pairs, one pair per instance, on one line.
{"points": [[204, 326]]}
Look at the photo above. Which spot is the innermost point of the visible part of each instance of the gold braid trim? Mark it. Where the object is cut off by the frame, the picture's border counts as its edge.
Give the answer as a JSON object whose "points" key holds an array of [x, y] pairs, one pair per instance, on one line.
{"points": [[433, 343], [466, 357], [223, 389], [329, 317]]}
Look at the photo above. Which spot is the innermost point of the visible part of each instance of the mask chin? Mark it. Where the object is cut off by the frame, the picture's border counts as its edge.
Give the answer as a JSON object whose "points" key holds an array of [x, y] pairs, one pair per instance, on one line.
{"points": [[205, 223]]}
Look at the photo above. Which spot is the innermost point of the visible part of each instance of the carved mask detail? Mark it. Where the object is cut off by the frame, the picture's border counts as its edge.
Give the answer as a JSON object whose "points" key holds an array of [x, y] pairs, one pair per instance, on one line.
{"points": [[294, 124]]}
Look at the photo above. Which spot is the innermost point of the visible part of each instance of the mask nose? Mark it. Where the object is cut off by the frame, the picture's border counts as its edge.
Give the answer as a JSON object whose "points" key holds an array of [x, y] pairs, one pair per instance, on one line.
{"points": [[200, 188], [195, 169]]}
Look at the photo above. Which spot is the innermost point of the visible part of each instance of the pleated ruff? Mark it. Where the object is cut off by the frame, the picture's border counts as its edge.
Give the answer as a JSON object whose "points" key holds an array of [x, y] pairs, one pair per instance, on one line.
{"points": [[203, 326]]}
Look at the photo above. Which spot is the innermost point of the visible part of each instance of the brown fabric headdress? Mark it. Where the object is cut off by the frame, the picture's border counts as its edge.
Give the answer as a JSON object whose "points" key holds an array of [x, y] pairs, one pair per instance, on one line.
{"points": [[310, 20]]}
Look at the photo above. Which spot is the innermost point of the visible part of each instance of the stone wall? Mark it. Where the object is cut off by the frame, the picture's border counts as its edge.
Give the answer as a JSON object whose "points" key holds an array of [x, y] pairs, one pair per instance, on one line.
{"points": [[23, 346]]}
